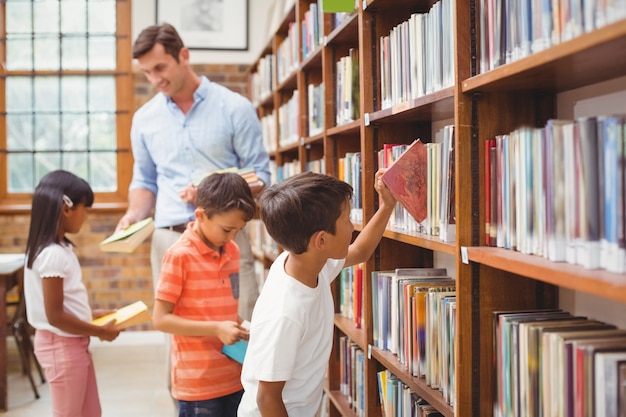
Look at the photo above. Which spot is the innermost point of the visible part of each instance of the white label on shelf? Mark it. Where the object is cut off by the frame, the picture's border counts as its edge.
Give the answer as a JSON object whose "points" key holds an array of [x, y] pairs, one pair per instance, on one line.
{"points": [[464, 256], [364, 4], [369, 352], [325, 41], [366, 116]]}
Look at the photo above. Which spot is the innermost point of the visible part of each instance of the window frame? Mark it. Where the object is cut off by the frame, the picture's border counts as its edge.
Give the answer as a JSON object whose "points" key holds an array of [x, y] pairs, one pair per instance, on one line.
{"points": [[118, 200]]}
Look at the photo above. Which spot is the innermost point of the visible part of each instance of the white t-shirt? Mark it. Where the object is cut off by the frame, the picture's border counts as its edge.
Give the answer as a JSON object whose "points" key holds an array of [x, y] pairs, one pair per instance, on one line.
{"points": [[290, 339], [55, 260]]}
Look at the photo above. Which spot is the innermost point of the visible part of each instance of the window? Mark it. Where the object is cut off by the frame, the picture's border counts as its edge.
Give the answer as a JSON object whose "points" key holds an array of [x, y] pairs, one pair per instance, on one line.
{"points": [[67, 94]]}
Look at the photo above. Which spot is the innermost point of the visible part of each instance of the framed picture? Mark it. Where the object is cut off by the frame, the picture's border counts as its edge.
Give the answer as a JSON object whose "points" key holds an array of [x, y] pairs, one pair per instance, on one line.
{"points": [[207, 24]]}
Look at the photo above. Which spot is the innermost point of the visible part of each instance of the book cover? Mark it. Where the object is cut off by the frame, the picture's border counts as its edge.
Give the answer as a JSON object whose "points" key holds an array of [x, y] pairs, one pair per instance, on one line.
{"points": [[237, 350], [127, 240], [406, 179], [130, 315]]}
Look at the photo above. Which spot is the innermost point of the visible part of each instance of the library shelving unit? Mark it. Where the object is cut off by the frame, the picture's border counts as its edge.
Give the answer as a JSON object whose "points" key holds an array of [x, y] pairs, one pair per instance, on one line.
{"points": [[479, 105]]}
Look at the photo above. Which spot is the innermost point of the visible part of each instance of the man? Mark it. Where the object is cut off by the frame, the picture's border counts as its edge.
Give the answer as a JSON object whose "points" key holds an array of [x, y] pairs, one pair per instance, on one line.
{"points": [[190, 127]]}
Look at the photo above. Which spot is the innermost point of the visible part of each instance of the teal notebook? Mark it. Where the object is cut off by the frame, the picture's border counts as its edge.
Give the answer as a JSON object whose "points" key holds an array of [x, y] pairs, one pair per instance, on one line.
{"points": [[236, 351]]}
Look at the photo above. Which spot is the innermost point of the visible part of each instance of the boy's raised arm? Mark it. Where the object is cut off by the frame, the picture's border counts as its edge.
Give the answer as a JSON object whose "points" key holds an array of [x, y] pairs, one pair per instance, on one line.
{"points": [[365, 243]]}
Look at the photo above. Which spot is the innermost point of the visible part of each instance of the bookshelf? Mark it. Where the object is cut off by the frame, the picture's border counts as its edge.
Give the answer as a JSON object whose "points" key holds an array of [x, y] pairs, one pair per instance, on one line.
{"points": [[479, 105]]}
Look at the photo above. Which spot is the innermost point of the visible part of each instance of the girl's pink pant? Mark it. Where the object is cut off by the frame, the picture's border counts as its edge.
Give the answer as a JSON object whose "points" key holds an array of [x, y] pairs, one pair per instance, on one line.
{"points": [[69, 369]]}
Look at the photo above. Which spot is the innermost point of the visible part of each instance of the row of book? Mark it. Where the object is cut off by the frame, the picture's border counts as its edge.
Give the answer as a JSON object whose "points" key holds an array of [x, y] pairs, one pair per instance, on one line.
{"points": [[351, 294], [397, 399], [414, 317], [421, 177], [262, 80], [551, 363], [312, 28], [287, 54], [352, 374], [349, 170], [315, 108], [513, 29], [268, 130], [347, 89], [559, 191], [289, 120], [417, 57]]}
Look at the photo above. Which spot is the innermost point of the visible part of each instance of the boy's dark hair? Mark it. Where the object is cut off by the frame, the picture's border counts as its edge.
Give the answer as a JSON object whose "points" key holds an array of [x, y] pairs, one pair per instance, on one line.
{"points": [[48, 200], [165, 34], [302, 205], [220, 193]]}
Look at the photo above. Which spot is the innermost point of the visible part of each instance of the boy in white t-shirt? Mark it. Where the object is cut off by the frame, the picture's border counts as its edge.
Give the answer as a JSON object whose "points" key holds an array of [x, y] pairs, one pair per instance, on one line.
{"points": [[292, 324]]}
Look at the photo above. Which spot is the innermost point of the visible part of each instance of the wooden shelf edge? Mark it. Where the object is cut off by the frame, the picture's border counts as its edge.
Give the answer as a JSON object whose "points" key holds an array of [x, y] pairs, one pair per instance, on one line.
{"points": [[410, 107], [432, 396], [421, 240], [348, 328], [347, 128], [597, 281], [341, 403]]}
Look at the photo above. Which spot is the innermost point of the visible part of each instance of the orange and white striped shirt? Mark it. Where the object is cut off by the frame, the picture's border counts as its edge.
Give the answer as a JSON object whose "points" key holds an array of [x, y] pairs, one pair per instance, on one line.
{"points": [[203, 285]]}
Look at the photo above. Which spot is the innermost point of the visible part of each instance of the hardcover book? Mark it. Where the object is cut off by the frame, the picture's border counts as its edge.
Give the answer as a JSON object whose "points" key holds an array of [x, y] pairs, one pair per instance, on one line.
{"points": [[131, 315], [406, 179], [127, 240]]}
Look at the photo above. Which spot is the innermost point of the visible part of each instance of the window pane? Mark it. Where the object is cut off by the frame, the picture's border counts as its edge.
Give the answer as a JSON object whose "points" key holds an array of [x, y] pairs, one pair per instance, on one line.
{"points": [[44, 163], [19, 18], [46, 16], [76, 163], [20, 132], [74, 16], [19, 53], [74, 132], [103, 176], [47, 94], [74, 97], [102, 94], [102, 53], [47, 132], [74, 54], [20, 173], [47, 54], [102, 128], [102, 16], [19, 95]]}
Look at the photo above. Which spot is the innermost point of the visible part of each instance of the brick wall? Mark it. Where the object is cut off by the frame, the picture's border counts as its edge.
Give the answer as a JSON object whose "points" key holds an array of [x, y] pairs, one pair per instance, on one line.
{"points": [[114, 280]]}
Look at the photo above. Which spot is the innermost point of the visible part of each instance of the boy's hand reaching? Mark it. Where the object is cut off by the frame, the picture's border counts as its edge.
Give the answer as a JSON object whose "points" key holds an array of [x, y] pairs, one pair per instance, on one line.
{"points": [[230, 332], [383, 191]]}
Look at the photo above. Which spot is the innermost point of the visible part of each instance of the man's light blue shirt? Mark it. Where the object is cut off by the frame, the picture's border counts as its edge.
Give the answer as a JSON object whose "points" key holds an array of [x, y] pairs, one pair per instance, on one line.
{"points": [[171, 149]]}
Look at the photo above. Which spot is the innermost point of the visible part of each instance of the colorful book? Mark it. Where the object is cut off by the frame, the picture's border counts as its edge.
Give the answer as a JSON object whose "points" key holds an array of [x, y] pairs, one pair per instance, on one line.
{"points": [[127, 240]]}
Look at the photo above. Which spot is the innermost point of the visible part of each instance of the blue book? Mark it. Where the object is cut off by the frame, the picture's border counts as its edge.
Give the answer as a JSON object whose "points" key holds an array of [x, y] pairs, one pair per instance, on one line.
{"points": [[236, 351]]}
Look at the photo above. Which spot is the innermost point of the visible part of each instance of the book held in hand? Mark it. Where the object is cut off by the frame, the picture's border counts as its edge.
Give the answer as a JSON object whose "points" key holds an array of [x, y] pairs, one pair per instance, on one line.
{"points": [[127, 240], [131, 315], [406, 179], [237, 351]]}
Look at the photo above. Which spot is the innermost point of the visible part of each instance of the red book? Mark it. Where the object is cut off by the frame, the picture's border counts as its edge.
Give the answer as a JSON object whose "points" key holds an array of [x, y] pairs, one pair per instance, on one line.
{"points": [[406, 179]]}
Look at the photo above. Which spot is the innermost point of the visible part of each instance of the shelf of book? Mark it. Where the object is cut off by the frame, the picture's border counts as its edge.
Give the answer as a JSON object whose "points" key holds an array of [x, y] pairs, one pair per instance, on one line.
{"points": [[436, 106], [562, 67], [592, 281], [390, 361], [341, 403]]}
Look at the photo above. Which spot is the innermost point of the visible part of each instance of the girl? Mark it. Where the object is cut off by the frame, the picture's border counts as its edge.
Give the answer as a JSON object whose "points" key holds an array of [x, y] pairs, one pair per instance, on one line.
{"points": [[57, 305]]}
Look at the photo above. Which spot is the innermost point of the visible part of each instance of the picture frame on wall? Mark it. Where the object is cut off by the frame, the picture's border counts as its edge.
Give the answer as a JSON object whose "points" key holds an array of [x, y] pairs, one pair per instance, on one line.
{"points": [[207, 24]]}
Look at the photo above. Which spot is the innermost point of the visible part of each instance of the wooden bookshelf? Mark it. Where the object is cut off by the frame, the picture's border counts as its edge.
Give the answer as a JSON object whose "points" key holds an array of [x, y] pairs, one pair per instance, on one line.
{"points": [[480, 105]]}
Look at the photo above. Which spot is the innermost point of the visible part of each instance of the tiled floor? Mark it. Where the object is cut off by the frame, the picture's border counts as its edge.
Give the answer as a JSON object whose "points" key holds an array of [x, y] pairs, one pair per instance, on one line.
{"points": [[131, 379]]}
